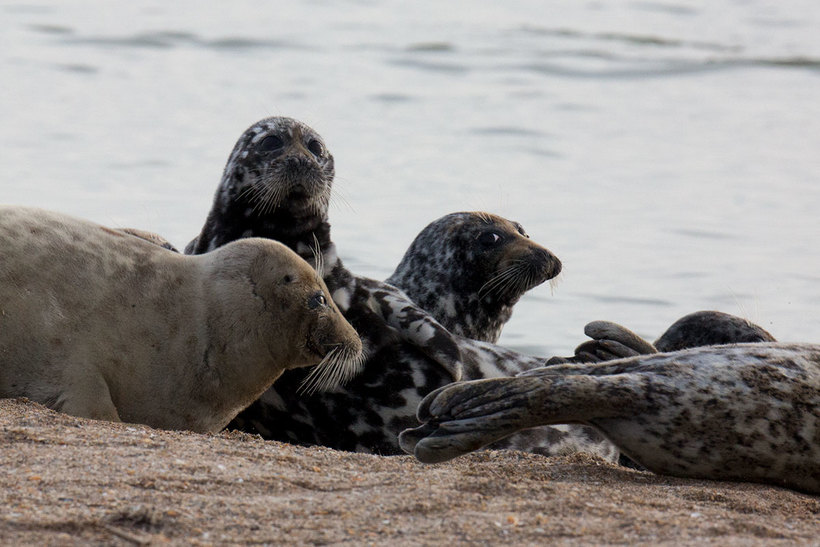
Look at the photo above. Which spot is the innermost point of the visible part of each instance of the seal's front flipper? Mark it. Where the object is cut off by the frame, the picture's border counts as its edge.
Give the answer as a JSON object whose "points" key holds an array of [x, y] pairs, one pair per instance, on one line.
{"points": [[416, 326], [445, 441], [609, 341], [606, 330], [466, 416], [88, 398]]}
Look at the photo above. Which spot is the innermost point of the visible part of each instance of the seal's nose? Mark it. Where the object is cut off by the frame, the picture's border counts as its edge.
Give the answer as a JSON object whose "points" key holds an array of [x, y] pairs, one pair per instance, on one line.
{"points": [[549, 262]]}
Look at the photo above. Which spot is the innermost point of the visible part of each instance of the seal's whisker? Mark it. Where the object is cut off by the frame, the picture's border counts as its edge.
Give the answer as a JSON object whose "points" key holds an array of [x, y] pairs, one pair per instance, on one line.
{"points": [[338, 366], [311, 382], [318, 257], [498, 280]]}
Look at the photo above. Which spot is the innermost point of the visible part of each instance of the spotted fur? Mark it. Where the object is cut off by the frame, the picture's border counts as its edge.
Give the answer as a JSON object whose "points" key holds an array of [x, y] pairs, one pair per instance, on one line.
{"points": [[710, 328], [469, 269], [410, 353], [748, 412], [367, 414]]}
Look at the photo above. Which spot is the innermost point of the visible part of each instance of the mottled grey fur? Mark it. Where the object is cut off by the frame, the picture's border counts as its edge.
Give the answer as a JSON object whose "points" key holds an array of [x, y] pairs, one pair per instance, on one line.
{"points": [[277, 185], [747, 412]]}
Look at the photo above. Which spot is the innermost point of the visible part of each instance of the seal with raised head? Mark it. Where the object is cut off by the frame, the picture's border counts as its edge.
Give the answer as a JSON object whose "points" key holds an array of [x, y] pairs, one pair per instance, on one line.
{"points": [[277, 185], [100, 324], [410, 353], [368, 413], [748, 412]]}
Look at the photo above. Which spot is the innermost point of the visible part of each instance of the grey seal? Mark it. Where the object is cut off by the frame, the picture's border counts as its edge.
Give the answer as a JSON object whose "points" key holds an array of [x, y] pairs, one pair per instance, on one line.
{"points": [[747, 412], [100, 324]]}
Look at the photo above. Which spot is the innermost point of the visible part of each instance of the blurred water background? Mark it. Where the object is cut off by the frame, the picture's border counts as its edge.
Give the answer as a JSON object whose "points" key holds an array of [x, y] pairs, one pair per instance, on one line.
{"points": [[667, 151]]}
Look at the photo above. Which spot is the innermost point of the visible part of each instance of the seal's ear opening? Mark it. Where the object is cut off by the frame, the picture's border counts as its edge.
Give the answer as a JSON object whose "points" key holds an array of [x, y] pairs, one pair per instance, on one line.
{"points": [[287, 279]]}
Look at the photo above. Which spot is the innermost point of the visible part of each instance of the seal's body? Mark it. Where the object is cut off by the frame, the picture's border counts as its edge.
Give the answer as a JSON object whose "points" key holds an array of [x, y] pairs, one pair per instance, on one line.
{"points": [[101, 324], [746, 412], [434, 321], [367, 414]]}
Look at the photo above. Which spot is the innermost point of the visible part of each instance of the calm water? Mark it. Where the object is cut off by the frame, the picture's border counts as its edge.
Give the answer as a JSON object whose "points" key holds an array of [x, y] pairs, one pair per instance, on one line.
{"points": [[667, 152]]}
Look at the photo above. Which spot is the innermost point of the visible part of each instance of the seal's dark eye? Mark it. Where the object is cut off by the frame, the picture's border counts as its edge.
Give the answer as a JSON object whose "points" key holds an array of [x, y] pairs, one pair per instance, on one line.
{"points": [[316, 147], [489, 238], [317, 300], [288, 278], [270, 143]]}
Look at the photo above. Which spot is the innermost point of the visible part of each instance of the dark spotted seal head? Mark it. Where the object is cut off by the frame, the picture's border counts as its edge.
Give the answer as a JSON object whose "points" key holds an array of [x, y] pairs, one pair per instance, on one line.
{"points": [[710, 328], [469, 269], [276, 184]]}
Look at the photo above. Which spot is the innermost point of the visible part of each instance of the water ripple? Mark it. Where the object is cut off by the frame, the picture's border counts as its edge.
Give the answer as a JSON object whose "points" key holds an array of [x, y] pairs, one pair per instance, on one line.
{"points": [[630, 39], [610, 299], [172, 39]]}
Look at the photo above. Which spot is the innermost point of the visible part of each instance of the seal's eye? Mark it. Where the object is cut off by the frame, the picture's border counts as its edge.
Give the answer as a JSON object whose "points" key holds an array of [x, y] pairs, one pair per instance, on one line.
{"points": [[270, 143], [316, 147], [288, 278], [317, 300], [489, 238]]}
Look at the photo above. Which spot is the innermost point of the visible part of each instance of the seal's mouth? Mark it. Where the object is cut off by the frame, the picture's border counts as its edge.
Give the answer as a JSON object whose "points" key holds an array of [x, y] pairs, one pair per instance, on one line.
{"points": [[341, 363], [317, 349], [516, 275]]}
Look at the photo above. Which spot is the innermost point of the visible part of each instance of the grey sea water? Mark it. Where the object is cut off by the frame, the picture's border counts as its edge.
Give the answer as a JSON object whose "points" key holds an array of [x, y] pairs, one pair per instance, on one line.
{"points": [[666, 151]]}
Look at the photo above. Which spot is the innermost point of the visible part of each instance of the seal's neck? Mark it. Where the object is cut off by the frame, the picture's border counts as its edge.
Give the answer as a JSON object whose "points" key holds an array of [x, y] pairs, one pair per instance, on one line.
{"points": [[470, 316], [306, 234]]}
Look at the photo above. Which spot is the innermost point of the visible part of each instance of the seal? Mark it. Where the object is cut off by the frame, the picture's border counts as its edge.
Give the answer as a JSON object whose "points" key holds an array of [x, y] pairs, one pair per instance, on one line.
{"points": [[410, 350], [702, 328], [277, 185], [468, 270], [367, 414], [747, 412], [100, 324]]}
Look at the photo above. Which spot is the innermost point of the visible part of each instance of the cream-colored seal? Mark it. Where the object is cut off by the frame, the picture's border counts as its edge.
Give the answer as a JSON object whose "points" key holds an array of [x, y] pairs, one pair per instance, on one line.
{"points": [[100, 324]]}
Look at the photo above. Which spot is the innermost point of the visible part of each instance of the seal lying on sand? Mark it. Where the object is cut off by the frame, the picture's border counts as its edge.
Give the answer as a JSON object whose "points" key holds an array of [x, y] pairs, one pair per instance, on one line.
{"points": [[262, 194], [368, 413], [100, 324], [747, 412]]}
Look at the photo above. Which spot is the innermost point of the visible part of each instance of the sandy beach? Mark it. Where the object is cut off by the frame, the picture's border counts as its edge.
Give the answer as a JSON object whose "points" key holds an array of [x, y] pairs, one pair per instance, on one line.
{"points": [[69, 481]]}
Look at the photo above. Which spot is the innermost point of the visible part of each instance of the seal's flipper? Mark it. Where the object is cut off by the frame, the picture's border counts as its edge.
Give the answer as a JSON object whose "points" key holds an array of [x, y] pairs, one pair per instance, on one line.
{"points": [[88, 398], [416, 326], [625, 338]]}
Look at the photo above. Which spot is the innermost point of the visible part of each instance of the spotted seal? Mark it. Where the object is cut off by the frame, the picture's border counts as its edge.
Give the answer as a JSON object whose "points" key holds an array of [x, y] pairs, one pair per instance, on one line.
{"points": [[748, 412], [277, 185], [399, 333], [395, 331], [99, 324], [367, 414]]}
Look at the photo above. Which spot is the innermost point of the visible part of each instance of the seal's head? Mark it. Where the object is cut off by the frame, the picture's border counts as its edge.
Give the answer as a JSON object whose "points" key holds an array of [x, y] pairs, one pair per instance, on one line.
{"points": [[293, 312], [279, 162], [469, 269]]}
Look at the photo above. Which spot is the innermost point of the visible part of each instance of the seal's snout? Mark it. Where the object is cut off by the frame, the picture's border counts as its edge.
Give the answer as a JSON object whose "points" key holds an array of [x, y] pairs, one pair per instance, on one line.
{"points": [[546, 262], [343, 361]]}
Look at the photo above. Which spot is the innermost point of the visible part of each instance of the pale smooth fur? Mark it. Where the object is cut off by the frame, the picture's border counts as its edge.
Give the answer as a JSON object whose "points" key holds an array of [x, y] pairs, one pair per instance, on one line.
{"points": [[100, 324]]}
